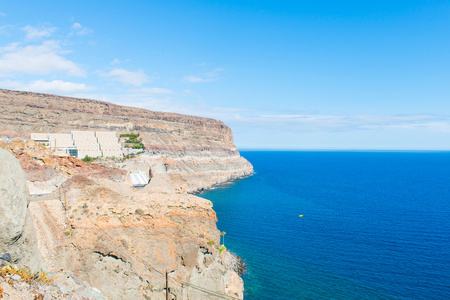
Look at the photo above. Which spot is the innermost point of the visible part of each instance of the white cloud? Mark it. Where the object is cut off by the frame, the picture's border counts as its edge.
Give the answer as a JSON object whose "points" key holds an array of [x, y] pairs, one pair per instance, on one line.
{"points": [[10, 47], [76, 26], [77, 29], [195, 79], [152, 91], [207, 77], [40, 59], [54, 87], [4, 29], [2, 14], [34, 33], [136, 78], [333, 123], [215, 72], [115, 61]]}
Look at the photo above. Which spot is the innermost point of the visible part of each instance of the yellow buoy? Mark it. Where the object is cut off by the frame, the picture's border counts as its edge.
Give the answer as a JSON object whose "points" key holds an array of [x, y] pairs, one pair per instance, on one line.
{"points": [[300, 216]]}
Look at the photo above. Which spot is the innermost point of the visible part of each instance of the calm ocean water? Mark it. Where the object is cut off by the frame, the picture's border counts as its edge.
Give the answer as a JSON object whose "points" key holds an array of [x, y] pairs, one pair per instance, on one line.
{"points": [[375, 225]]}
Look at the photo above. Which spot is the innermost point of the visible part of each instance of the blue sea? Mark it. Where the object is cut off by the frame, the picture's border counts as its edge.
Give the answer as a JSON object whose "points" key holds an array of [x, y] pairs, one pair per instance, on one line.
{"points": [[375, 225]]}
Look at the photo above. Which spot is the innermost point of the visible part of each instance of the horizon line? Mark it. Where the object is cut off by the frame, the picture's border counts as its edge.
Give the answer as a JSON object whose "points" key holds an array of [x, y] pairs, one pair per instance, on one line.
{"points": [[343, 150]]}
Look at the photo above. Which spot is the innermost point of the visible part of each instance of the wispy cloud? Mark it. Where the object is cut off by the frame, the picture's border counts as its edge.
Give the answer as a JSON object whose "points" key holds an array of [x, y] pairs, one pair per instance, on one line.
{"points": [[53, 87], [2, 14], [333, 123], [152, 91], [197, 79], [41, 59], [77, 29], [4, 29], [34, 33], [134, 78], [215, 72], [207, 77]]}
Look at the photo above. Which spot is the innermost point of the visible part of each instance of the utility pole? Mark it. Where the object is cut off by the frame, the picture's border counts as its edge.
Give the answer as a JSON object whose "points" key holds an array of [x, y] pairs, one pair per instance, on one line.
{"points": [[65, 202], [167, 286]]}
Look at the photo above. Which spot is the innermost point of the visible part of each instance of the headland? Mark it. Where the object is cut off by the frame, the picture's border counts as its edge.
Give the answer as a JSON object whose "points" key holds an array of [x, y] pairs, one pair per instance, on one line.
{"points": [[91, 223]]}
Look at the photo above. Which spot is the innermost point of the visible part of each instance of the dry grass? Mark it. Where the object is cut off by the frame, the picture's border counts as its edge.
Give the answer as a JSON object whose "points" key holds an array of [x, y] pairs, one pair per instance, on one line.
{"points": [[26, 274]]}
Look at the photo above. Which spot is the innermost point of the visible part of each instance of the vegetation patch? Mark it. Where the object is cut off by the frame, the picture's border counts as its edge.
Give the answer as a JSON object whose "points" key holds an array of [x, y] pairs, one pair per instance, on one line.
{"points": [[88, 159], [133, 140], [26, 274]]}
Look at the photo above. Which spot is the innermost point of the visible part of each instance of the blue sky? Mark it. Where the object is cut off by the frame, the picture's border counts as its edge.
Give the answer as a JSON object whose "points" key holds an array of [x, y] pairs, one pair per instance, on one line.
{"points": [[282, 74]]}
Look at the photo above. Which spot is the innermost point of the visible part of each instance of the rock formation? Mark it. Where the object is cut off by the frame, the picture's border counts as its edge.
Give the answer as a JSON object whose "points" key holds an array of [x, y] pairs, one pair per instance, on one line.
{"points": [[105, 231], [200, 151], [17, 234], [117, 238]]}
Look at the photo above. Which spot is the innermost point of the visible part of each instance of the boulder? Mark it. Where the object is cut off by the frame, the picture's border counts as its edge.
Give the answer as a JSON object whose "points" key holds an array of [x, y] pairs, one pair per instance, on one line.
{"points": [[17, 234]]}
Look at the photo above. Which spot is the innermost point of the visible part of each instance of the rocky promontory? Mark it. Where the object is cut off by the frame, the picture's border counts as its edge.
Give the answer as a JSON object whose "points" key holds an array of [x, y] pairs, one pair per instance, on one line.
{"points": [[198, 152], [90, 222]]}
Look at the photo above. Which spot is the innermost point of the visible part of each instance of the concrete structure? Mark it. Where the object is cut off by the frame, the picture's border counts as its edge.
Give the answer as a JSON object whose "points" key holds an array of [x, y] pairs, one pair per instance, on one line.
{"points": [[82, 143], [41, 138], [139, 179]]}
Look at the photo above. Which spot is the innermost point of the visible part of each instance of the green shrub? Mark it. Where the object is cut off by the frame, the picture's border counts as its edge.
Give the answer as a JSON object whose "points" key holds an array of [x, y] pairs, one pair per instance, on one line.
{"points": [[87, 158], [130, 135], [133, 141]]}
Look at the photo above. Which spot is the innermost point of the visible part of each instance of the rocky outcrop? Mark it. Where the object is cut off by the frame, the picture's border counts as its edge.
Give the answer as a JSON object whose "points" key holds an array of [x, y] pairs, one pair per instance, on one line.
{"points": [[105, 231], [199, 152], [131, 236], [93, 223], [17, 234]]}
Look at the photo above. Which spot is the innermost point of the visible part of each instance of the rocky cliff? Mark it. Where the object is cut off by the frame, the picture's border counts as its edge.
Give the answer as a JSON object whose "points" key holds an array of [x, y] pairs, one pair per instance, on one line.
{"points": [[112, 236], [122, 240], [199, 152]]}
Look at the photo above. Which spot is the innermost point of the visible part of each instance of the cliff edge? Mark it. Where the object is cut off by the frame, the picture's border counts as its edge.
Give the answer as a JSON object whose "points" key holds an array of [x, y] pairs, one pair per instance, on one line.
{"points": [[198, 152], [88, 218]]}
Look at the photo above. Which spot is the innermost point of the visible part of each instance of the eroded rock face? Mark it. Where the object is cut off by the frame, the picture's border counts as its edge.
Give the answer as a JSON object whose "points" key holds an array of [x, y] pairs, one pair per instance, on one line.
{"points": [[197, 152], [108, 232], [17, 235], [111, 235], [25, 112], [132, 236]]}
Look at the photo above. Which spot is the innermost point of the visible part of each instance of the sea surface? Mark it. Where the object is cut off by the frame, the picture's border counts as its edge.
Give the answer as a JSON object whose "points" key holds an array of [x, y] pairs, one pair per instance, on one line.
{"points": [[375, 225]]}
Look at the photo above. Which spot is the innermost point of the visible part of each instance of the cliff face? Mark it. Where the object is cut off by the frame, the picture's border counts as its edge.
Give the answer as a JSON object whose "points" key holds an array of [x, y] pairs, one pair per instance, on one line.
{"points": [[25, 112], [106, 232], [198, 152], [93, 223]]}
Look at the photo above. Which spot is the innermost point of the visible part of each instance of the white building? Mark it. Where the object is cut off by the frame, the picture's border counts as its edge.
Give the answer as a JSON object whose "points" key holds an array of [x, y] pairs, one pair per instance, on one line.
{"points": [[82, 143]]}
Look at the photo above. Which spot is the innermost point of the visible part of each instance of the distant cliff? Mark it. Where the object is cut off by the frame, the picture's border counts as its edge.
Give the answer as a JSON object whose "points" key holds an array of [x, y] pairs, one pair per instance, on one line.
{"points": [[198, 152], [25, 112]]}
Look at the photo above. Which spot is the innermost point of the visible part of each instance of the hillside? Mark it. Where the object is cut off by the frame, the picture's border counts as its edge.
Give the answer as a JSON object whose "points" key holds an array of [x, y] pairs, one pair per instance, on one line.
{"points": [[197, 152], [107, 236], [25, 112]]}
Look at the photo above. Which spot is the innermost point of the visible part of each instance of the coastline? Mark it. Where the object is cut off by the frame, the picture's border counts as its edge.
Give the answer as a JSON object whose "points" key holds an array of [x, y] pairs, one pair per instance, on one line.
{"points": [[184, 155]]}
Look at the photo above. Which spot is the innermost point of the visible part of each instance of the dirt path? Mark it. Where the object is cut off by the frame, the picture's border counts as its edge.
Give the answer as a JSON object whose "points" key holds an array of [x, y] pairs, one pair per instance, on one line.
{"points": [[48, 217]]}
